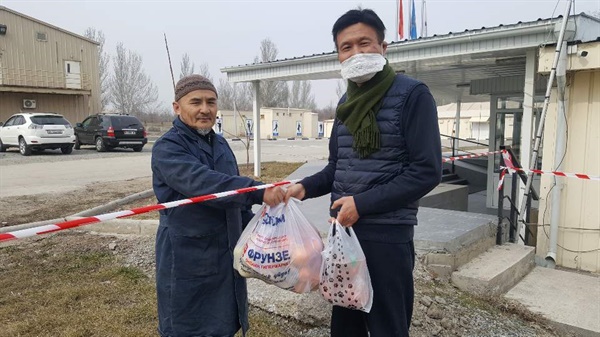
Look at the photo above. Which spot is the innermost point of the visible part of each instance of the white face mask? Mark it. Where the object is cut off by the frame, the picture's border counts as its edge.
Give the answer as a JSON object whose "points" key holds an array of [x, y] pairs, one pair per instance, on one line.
{"points": [[362, 67]]}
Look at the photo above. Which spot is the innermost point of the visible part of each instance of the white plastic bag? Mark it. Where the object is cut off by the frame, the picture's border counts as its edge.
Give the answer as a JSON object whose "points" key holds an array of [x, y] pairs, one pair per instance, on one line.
{"points": [[345, 279], [281, 247]]}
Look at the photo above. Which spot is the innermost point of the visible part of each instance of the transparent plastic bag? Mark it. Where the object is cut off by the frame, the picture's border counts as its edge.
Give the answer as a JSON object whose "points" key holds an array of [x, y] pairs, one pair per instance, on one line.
{"points": [[345, 279], [281, 247]]}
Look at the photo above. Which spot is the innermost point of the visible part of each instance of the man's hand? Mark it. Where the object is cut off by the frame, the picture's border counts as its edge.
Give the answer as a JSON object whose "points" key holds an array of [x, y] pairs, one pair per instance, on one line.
{"points": [[295, 191], [348, 215], [273, 196]]}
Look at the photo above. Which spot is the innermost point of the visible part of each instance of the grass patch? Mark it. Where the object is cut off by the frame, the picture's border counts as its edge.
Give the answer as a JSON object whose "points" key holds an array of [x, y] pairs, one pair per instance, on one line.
{"points": [[82, 292], [73, 285]]}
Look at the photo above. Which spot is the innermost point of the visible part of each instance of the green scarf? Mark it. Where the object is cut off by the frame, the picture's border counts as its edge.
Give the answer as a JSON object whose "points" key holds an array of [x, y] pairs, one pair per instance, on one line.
{"points": [[360, 108]]}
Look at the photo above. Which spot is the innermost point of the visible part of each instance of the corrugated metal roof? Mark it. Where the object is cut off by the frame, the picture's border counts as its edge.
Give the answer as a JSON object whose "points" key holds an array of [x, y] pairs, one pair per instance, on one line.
{"points": [[3, 8], [466, 32]]}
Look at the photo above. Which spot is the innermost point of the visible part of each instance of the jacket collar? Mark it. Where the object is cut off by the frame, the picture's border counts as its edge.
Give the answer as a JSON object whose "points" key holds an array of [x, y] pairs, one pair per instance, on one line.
{"points": [[183, 128]]}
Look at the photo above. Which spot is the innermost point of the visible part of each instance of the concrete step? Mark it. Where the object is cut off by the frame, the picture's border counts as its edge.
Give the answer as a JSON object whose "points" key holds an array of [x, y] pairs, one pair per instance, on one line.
{"points": [[569, 300], [457, 182], [496, 270], [449, 176]]}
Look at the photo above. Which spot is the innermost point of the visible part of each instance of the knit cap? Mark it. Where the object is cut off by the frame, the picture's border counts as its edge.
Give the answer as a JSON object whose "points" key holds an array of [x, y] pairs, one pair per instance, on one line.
{"points": [[191, 83]]}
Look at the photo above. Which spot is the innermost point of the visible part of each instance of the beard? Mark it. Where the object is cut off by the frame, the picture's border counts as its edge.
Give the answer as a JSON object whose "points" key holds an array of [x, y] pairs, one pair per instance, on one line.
{"points": [[203, 132]]}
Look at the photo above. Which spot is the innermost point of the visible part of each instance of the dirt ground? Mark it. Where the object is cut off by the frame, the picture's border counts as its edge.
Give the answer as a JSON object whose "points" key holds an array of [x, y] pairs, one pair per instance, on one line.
{"points": [[440, 309]]}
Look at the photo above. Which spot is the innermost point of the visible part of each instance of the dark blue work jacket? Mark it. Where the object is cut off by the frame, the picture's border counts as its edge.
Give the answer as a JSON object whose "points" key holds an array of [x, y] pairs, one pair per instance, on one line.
{"points": [[199, 292]]}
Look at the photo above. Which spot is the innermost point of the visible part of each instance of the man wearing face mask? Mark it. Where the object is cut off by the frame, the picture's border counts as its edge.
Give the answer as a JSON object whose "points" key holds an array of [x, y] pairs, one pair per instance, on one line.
{"points": [[384, 155], [199, 292]]}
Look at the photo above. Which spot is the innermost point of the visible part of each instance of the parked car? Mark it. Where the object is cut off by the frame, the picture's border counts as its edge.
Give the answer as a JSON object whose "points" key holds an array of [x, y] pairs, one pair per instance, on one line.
{"points": [[36, 132], [107, 131]]}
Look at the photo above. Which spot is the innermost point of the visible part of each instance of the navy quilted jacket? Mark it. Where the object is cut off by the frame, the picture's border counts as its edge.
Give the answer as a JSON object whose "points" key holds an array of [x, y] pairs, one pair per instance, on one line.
{"points": [[388, 184]]}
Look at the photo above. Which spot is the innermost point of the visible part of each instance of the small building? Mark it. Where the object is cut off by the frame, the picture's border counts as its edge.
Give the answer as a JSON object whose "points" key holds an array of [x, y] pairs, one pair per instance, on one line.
{"points": [[44, 68], [274, 123]]}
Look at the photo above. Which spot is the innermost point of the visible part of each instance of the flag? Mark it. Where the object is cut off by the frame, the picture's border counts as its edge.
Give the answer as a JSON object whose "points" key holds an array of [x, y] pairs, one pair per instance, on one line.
{"points": [[413, 21], [400, 21], [424, 19]]}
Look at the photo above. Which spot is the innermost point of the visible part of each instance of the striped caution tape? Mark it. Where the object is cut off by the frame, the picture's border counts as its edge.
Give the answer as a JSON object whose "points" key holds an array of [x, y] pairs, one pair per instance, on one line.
{"points": [[46, 229], [511, 168], [555, 173], [24, 233], [467, 156]]}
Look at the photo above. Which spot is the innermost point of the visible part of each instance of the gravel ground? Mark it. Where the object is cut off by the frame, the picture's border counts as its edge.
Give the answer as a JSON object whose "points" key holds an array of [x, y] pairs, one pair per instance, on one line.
{"points": [[440, 309]]}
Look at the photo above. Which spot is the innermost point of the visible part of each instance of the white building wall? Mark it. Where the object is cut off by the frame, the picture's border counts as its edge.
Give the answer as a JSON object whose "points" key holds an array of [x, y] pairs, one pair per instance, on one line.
{"points": [[579, 224]]}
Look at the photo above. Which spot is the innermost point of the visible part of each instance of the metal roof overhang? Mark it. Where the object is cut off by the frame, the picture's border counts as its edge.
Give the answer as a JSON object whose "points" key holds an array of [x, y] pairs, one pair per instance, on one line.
{"points": [[447, 64]]}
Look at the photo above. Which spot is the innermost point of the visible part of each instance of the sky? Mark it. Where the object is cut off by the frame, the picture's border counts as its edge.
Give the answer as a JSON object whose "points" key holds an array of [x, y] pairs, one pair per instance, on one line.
{"points": [[223, 33]]}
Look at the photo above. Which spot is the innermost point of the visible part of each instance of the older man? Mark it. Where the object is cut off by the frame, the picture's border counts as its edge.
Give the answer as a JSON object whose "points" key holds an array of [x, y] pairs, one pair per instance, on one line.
{"points": [[199, 292]]}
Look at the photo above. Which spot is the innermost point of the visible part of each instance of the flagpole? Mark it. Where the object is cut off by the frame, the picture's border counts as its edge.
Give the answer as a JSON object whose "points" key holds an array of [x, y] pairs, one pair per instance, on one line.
{"points": [[397, 20]]}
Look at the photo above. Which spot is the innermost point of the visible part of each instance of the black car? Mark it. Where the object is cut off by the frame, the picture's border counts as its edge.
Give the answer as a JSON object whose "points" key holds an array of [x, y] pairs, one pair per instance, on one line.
{"points": [[107, 131]]}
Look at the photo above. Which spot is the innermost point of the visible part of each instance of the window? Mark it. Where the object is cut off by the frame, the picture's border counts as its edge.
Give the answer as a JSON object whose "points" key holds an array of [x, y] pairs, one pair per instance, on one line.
{"points": [[124, 122], [87, 121], [20, 120], [49, 120], [11, 121], [41, 36]]}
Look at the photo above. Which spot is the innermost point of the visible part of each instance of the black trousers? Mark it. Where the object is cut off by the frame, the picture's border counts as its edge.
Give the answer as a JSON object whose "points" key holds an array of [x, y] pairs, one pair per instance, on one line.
{"points": [[391, 271]]}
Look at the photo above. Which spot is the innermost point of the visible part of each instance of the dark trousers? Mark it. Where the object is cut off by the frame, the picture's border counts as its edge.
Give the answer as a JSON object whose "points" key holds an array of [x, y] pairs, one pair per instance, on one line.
{"points": [[391, 270]]}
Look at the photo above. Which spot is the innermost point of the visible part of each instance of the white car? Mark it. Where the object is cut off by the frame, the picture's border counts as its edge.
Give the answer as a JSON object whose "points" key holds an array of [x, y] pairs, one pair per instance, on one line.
{"points": [[37, 131]]}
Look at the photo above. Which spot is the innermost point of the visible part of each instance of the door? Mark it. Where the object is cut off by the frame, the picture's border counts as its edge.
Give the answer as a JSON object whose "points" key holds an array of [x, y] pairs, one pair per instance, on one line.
{"points": [[73, 74], [88, 130], [8, 132], [506, 115]]}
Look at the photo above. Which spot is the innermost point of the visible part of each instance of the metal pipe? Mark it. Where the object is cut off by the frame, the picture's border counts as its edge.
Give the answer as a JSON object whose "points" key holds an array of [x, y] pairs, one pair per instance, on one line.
{"points": [[559, 151], [256, 103], [540, 129]]}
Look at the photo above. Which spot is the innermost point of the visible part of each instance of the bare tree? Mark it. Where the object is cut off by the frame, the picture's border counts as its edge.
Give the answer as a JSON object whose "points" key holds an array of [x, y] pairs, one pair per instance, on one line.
{"points": [[327, 112], [187, 67], [103, 60], [132, 91], [225, 90], [273, 93], [203, 70], [301, 96], [340, 90], [242, 95]]}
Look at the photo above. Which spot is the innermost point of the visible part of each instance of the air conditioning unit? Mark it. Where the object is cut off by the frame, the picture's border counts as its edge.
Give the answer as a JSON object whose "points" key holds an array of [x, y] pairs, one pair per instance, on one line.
{"points": [[29, 103]]}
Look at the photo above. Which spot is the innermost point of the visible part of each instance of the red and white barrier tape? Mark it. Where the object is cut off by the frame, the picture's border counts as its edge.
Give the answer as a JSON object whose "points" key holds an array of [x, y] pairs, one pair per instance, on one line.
{"points": [[24, 233], [467, 156], [40, 230], [555, 173], [511, 168]]}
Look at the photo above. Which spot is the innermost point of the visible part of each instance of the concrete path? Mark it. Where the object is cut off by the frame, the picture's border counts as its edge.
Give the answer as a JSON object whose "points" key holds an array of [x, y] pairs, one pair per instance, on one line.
{"points": [[64, 176], [34, 175], [569, 299]]}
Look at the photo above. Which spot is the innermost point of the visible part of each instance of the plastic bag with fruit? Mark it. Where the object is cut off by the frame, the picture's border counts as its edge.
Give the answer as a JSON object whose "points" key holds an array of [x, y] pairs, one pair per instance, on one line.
{"points": [[345, 279], [281, 247]]}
